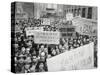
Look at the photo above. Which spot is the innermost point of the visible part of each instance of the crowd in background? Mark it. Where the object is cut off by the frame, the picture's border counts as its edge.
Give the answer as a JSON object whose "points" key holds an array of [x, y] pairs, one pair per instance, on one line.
{"points": [[31, 57]]}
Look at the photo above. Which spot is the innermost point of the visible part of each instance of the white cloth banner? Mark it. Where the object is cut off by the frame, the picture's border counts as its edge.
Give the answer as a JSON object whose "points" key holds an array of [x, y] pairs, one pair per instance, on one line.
{"points": [[47, 37], [44, 37], [79, 58], [32, 30], [85, 26]]}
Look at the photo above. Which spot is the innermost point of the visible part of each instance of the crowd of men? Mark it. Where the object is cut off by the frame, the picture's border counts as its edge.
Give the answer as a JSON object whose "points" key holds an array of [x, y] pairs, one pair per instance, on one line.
{"points": [[31, 57]]}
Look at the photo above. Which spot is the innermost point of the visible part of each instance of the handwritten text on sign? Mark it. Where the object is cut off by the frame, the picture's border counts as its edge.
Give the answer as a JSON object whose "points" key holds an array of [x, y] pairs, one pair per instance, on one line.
{"points": [[47, 37], [85, 26], [79, 58], [32, 30], [45, 21]]}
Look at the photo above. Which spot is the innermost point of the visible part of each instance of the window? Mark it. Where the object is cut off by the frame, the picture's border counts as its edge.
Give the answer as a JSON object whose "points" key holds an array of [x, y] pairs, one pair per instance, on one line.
{"points": [[89, 16], [79, 10], [83, 12]]}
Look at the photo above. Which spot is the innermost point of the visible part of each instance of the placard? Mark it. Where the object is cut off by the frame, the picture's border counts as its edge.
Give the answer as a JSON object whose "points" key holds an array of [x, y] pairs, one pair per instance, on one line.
{"points": [[45, 21], [67, 31], [69, 16], [32, 30], [47, 37], [85, 26], [79, 58]]}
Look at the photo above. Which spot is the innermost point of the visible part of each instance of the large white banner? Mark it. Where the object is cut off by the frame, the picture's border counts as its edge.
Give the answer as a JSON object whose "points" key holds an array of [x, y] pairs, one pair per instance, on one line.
{"points": [[44, 37], [79, 58], [47, 37], [85, 26]]}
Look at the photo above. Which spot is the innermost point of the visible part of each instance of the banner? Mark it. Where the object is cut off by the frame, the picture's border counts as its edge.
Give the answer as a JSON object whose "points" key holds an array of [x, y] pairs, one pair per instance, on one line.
{"points": [[87, 29], [79, 58], [38, 28], [29, 28], [85, 26], [47, 37], [32, 30], [45, 21], [69, 16], [67, 31]]}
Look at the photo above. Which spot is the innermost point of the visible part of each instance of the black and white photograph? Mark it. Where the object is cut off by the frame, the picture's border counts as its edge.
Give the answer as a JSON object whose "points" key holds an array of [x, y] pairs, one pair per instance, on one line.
{"points": [[49, 37]]}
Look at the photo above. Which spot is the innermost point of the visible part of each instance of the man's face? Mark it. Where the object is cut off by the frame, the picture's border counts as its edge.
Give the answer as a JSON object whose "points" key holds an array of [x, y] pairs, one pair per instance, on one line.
{"points": [[27, 66], [41, 66], [29, 43], [42, 56], [42, 46], [34, 59], [88, 40], [75, 40], [63, 40], [60, 46], [56, 47], [19, 39], [71, 47], [23, 49], [27, 50], [54, 52], [84, 39], [30, 38], [45, 49], [16, 45], [21, 60], [28, 59], [15, 39]]}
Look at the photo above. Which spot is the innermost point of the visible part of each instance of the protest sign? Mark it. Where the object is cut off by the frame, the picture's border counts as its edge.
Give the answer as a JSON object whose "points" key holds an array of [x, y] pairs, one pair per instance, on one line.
{"points": [[28, 28], [38, 28], [47, 37], [87, 29], [79, 58], [69, 16], [32, 30], [67, 31], [45, 21], [85, 26]]}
